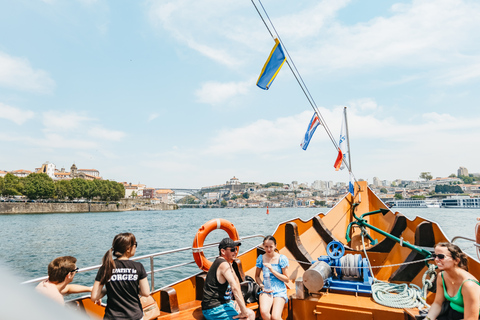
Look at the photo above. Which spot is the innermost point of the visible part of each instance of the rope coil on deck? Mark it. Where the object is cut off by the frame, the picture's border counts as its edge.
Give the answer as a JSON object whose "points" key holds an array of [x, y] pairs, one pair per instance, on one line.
{"points": [[400, 295]]}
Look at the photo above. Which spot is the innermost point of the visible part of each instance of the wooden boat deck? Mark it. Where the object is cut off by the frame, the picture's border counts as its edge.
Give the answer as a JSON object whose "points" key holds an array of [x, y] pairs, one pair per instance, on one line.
{"points": [[303, 242]]}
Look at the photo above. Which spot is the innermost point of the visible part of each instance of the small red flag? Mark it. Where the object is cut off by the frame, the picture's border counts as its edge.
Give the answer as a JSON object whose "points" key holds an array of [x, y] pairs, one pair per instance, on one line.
{"points": [[338, 162]]}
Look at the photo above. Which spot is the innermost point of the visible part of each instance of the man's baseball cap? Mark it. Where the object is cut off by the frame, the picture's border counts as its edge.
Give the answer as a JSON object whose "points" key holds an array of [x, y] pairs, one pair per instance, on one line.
{"points": [[228, 243]]}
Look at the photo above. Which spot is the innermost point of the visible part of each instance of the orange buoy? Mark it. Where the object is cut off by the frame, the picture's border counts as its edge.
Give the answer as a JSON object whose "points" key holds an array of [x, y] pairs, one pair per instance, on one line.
{"points": [[198, 255], [268, 211], [477, 237]]}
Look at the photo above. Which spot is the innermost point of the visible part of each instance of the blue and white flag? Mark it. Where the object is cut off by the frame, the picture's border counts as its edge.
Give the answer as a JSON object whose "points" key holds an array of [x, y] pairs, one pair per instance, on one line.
{"points": [[312, 126], [271, 67], [351, 189]]}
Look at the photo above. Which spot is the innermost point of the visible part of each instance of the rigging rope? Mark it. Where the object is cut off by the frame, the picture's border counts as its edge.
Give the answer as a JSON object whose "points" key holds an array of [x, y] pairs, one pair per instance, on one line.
{"points": [[301, 83]]}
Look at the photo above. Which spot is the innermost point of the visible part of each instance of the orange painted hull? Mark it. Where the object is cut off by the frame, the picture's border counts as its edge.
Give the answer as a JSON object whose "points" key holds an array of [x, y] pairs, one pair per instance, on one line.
{"points": [[181, 300]]}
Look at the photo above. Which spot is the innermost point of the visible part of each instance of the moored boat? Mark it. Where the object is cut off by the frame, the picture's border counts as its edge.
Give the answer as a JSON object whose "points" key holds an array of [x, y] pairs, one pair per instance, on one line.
{"points": [[395, 248]]}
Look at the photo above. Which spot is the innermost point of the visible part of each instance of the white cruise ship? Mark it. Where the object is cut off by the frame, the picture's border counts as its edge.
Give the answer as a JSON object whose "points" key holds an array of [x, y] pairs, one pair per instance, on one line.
{"points": [[461, 202], [415, 204]]}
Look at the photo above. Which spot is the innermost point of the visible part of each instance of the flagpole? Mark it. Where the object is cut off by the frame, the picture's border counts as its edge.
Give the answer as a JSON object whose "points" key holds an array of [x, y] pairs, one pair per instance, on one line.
{"points": [[348, 140]]}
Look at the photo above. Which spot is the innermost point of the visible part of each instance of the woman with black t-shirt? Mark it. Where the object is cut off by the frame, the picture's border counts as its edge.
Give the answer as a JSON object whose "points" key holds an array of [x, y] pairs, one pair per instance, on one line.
{"points": [[123, 279]]}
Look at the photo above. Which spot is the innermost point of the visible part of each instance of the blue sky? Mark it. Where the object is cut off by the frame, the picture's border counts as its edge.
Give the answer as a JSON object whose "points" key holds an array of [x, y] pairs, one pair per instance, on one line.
{"points": [[163, 92]]}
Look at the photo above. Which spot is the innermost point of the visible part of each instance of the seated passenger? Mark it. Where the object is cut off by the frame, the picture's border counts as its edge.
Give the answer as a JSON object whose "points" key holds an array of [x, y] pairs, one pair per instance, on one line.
{"points": [[123, 279], [60, 273], [456, 287], [216, 303], [274, 267]]}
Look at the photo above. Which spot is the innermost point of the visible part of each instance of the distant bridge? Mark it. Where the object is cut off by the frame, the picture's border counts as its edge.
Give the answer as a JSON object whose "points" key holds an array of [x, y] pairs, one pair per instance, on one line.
{"points": [[181, 193]]}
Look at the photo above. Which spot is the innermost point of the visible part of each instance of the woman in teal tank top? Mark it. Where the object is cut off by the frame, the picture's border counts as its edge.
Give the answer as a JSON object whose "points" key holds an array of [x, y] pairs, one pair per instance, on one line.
{"points": [[461, 290]]}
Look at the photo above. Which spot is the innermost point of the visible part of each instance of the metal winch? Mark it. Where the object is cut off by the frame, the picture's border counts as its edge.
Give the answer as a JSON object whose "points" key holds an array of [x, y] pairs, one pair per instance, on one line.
{"points": [[339, 271]]}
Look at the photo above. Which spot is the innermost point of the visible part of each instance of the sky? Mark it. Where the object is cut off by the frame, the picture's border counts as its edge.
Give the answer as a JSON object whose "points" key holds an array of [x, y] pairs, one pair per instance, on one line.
{"points": [[163, 92]]}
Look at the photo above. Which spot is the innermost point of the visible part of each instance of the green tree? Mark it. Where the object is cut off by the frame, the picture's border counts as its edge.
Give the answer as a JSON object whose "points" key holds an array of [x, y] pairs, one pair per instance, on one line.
{"points": [[118, 191], [2, 185], [223, 203], [466, 179], [320, 203], [418, 197], [79, 188], [245, 195], [234, 197], [453, 175], [273, 184], [38, 185], [426, 175], [383, 190], [13, 185], [398, 196], [63, 189]]}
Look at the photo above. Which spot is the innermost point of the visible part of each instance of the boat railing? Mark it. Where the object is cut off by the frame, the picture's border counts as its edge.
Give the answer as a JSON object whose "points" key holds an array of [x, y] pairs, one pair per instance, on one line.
{"points": [[465, 238], [151, 257]]}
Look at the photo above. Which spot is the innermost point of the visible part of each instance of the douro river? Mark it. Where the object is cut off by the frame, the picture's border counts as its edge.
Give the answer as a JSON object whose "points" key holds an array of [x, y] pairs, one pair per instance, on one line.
{"points": [[31, 241]]}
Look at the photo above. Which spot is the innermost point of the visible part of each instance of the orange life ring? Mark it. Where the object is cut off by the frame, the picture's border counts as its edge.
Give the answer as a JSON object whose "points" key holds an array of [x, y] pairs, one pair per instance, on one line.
{"points": [[202, 262], [477, 237]]}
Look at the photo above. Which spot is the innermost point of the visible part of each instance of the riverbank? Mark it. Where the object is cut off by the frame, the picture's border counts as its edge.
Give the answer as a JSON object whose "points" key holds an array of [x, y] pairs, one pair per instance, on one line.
{"points": [[63, 207]]}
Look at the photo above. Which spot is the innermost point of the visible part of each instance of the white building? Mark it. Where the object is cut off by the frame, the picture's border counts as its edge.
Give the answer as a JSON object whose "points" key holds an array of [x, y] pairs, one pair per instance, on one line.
{"points": [[48, 168]]}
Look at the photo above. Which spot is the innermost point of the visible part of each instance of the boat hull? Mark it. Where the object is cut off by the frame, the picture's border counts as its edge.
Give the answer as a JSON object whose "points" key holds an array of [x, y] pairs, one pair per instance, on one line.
{"points": [[303, 242]]}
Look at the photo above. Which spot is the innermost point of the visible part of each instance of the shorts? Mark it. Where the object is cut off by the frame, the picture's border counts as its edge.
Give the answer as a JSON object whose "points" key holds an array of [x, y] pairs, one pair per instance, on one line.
{"points": [[224, 311], [278, 294]]}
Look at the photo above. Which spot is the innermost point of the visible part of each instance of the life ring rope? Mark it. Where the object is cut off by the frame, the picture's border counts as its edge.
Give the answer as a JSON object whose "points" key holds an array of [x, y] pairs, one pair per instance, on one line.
{"points": [[202, 233]]}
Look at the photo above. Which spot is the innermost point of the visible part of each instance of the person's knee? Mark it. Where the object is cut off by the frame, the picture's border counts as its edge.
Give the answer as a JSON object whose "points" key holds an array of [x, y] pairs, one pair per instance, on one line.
{"points": [[265, 314]]}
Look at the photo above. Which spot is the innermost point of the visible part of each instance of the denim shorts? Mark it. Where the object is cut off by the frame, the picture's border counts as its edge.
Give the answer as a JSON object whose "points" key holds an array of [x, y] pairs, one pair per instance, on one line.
{"points": [[225, 311]]}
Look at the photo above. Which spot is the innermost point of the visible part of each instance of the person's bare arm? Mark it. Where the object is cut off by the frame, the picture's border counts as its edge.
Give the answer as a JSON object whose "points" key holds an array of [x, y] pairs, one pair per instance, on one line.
{"points": [[280, 276], [144, 287], [98, 292], [436, 306], [226, 271], [471, 300], [257, 277], [75, 288]]}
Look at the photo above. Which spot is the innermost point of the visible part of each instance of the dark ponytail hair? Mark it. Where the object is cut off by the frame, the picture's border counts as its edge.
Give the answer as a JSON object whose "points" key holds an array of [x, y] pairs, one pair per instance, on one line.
{"points": [[272, 239], [121, 244], [456, 253]]}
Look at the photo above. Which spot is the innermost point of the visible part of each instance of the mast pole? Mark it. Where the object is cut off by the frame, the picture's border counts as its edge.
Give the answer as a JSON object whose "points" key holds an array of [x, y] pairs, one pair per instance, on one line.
{"points": [[348, 140]]}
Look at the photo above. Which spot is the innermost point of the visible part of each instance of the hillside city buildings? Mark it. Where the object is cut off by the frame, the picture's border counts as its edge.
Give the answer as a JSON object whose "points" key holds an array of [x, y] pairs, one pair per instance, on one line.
{"points": [[234, 193]]}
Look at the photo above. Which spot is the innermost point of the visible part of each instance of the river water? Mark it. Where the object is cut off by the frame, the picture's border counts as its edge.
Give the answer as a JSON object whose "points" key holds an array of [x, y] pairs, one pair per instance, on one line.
{"points": [[31, 241]]}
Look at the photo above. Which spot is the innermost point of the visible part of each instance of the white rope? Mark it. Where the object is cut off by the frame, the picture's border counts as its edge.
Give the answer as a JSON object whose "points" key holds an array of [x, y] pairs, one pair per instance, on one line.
{"points": [[397, 295]]}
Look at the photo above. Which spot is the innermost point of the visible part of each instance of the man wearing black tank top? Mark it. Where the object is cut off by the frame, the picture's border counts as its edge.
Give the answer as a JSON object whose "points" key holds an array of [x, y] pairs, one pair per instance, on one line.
{"points": [[216, 304]]}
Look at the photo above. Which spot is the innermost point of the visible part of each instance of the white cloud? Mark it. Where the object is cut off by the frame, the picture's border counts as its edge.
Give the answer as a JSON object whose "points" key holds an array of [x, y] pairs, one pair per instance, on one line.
{"points": [[18, 74], [63, 121], [72, 125], [439, 36], [421, 34], [216, 93], [153, 116], [366, 126], [260, 137], [105, 134], [15, 114], [215, 35]]}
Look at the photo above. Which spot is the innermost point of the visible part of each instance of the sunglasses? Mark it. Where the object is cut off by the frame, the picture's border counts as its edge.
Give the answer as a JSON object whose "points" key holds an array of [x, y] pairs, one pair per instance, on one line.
{"points": [[75, 270], [440, 256], [232, 249], [136, 244]]}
